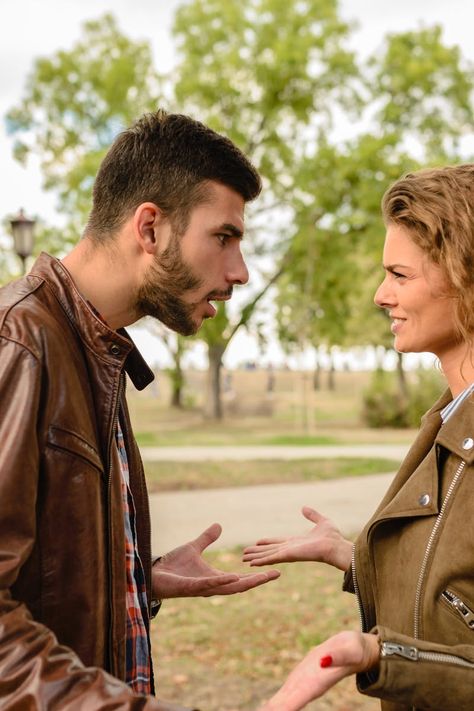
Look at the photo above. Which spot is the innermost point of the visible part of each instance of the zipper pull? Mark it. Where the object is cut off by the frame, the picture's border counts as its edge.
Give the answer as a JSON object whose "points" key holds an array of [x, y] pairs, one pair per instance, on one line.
{"points": [[389, 649], [466, 614]]}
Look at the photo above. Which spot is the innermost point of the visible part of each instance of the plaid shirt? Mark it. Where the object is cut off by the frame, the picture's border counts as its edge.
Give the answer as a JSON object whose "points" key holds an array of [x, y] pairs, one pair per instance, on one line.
{"points": [[138, 668]]}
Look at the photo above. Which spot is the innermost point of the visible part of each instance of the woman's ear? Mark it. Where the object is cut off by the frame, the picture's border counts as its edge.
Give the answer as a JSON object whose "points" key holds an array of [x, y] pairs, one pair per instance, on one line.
{"points": [[148, 223]]}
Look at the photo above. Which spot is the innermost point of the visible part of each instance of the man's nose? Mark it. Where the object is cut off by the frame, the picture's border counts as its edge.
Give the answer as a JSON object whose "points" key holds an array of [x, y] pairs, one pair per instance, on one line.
{"points": [[237, 272]]}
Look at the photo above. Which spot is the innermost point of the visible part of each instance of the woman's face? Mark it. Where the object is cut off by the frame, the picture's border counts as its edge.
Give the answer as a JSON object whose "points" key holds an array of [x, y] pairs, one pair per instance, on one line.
{"points": [[414, 292]]}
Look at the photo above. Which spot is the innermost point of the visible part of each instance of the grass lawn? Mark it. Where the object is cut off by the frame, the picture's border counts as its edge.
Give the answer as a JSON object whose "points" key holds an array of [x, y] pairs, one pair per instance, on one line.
{"points": [[230, 653], [294, 414], [172, 476]]}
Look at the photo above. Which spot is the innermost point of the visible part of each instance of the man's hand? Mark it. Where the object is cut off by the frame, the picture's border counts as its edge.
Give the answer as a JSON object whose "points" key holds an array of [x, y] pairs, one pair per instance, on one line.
{"points": [[183, 572], [324, 543], [342, 655]]}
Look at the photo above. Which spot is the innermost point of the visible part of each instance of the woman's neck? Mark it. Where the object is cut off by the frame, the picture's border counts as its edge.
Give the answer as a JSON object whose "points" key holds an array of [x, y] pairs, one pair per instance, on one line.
{"points": [[458, 368]]}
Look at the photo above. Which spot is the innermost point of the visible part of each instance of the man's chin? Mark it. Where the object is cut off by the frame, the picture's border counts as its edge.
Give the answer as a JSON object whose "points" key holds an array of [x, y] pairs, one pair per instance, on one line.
{"points": [[186, 329]]}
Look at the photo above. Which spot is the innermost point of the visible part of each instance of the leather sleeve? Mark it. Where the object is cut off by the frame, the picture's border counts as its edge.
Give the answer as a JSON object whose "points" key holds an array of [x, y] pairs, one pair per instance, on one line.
{"points": [[35, 670], [437, 682]]}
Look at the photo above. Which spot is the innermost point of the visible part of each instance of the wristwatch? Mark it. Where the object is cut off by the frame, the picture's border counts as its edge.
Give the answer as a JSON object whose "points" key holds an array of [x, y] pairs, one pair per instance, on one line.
{"points": [[155, 603]]}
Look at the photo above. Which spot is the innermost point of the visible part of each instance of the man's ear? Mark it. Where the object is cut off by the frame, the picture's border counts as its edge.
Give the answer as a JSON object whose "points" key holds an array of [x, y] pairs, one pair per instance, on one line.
{"points": [[148, 222]]}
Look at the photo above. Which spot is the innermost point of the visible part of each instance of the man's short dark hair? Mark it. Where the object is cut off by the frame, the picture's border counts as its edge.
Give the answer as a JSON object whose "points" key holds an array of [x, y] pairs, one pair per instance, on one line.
{"points": [[166, 159]]}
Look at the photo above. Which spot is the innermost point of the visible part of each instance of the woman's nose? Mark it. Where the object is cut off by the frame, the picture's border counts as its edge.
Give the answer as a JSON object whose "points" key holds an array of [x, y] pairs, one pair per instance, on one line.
{"points": [[383, 297]]}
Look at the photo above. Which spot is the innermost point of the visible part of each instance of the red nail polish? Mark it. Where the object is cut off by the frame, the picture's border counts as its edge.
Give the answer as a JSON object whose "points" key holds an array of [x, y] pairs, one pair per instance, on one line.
{"points": [[325, 661]]}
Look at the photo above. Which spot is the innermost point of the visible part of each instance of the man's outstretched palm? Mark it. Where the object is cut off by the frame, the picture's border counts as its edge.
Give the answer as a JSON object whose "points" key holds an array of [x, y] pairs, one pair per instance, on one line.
{"points": [[183, 572]]}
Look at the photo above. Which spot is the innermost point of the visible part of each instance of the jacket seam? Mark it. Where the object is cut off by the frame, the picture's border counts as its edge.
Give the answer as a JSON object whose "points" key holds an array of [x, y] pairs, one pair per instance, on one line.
{"points": [[22, 345]]}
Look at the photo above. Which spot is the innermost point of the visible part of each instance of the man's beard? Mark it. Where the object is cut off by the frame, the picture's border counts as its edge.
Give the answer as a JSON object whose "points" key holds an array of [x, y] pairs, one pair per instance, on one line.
{"points": [[165, 283]]}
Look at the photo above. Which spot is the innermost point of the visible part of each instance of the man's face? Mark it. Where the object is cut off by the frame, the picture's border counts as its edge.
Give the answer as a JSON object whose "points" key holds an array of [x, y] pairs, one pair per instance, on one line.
{"points": [[198, 267]]}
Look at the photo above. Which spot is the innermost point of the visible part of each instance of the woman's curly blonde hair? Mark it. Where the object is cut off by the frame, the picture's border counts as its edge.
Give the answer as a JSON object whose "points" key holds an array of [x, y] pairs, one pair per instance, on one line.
{"points": [[437, 207]]}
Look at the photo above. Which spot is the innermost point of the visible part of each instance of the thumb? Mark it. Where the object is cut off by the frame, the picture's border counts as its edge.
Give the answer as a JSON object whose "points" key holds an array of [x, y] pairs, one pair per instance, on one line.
{"points": [[208, 536], [312, 514]]}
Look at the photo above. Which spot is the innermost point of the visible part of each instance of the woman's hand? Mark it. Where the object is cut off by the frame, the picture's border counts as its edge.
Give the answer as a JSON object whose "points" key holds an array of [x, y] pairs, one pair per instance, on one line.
{"points": [[342, 655], [323, 543]]}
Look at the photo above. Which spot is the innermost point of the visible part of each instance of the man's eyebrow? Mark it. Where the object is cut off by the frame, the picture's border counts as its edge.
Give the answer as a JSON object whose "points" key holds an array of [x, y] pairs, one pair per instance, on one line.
{"points": [[229, 227]]}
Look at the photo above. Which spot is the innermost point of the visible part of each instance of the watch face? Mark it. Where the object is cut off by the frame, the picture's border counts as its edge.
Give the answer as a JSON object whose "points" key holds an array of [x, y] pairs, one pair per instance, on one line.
{"points": [[154, 608]]}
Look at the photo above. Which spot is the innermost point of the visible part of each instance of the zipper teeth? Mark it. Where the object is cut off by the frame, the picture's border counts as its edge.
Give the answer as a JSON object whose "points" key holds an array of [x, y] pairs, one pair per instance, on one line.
{"points": [[357, 592], [445, 659], [109, 496], [429, 547]]}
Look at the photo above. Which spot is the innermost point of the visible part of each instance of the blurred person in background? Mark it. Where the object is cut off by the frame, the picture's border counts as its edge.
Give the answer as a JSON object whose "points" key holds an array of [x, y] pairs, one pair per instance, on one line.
{"points": [[77, 584], [412, 567]]}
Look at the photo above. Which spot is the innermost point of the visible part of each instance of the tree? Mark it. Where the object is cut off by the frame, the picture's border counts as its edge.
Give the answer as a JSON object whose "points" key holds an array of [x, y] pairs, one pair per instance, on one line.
{"points": [[255, 83], [418, 107], [243, 72], [73, 106]]}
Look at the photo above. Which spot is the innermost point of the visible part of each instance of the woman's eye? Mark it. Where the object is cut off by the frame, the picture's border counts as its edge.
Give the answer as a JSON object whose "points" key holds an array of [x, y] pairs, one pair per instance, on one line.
{"points": [[222, 239], [397, 275]]}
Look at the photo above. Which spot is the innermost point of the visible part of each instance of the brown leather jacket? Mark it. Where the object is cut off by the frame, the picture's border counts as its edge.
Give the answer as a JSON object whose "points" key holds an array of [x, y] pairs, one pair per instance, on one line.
{"points": [[414, 569], [62, 542]]}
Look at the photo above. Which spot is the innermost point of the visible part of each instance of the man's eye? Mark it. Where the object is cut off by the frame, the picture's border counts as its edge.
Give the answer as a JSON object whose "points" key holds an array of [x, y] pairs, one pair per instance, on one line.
{"points": [[222, 239], [397, 275]]}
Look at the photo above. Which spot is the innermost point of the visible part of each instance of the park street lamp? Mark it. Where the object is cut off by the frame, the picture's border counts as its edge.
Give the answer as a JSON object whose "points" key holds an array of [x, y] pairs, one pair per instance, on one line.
{"points": [[23, 236]]}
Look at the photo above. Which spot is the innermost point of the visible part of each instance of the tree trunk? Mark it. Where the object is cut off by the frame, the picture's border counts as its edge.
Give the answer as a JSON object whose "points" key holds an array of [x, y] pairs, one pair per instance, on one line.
{"points": [[176, 373], [317, 373], [213, 404], [177, 388], [402, 378], [331, 374]]}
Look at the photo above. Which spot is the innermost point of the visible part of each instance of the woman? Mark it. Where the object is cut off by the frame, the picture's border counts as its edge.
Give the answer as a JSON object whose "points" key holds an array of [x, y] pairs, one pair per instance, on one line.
{"points": [[412, 567]]}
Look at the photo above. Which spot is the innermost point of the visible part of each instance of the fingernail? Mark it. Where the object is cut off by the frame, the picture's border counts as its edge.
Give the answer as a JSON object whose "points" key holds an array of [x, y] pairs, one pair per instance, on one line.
{"points": [[325, 661]]}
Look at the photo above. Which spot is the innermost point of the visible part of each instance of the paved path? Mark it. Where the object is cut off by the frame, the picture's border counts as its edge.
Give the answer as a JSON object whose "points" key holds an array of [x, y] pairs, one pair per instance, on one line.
{"points": [[252, 512], [193, 454]]}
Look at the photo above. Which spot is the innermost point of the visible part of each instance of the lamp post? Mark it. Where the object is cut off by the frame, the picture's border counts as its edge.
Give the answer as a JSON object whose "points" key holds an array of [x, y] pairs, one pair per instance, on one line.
{"points": [[23, 236]]}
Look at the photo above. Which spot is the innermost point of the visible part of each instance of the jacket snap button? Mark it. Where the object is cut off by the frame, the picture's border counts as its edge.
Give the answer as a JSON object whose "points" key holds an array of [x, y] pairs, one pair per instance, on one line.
{"points": [[468, 443], [424, 500], [115, 349]]}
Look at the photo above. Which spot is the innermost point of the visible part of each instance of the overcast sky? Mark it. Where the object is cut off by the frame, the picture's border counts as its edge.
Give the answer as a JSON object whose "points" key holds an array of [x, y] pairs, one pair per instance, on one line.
{"points": [[33, 28]]}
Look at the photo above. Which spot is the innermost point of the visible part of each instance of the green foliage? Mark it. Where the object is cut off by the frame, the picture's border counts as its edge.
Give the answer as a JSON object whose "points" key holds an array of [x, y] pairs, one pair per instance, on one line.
{"points": [[74, 104], [262, 71], [326, 294], [275, 76], [385, 405], [425, 88]]}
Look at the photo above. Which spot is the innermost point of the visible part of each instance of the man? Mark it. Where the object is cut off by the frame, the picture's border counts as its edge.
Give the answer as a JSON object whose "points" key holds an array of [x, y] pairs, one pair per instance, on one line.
{"points": [[77, 586]]}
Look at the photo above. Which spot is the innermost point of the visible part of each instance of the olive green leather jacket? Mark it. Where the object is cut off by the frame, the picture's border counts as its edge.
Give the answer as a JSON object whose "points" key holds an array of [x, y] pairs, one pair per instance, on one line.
{"points": [[413, 572]]}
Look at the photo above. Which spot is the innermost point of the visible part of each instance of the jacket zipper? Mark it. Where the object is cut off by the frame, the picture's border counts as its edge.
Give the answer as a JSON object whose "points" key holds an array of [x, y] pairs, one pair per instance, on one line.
{"points": [[389, 649], [464, 612], [419, 587], [357, 593], [115, 420]]}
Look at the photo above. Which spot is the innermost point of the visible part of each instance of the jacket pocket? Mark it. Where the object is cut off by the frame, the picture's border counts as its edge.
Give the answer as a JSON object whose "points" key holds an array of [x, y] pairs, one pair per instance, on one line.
{"points": [[73, 443], [458, 607]]}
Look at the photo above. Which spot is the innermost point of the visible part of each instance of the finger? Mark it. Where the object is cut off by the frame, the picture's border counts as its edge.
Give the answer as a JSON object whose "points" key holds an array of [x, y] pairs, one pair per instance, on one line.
{"points": [[208, 536], [245, 582], [312, 514], [268, 560], [268, 541], [262, 554], [200, 586], [261, 549]]}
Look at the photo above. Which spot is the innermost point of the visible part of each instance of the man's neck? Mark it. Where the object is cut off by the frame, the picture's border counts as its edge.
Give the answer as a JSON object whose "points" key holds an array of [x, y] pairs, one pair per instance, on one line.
{"points": [[105, 280]]}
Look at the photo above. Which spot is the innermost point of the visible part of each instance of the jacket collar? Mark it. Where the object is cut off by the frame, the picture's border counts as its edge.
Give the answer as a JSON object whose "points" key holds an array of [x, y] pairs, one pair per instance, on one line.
{"points": [[416, 482], [114, 348]]}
